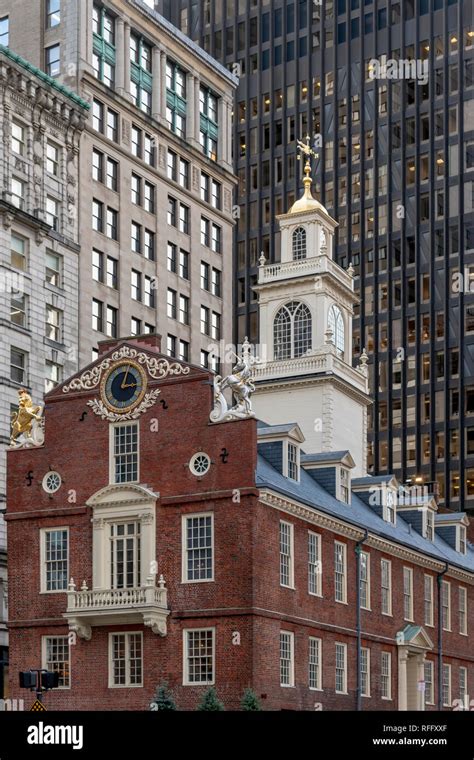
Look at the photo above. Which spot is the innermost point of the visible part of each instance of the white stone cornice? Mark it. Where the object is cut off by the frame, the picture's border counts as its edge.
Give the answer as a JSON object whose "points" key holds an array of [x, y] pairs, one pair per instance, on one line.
{"points": [[122, 494], [295, 381], [284, 504]]}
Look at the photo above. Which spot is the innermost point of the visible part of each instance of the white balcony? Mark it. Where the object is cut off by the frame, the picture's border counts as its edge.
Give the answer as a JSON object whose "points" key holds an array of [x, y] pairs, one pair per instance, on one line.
{"points": [[315, 265], [146, 605]]}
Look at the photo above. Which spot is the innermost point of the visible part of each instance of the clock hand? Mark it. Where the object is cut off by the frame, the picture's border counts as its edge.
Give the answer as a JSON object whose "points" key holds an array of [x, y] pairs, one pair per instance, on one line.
{"points": [[129, 385], [123, 386]]}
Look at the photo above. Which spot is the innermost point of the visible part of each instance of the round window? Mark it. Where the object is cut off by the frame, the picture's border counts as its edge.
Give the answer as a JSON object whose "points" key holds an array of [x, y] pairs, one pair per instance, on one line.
{"points": [[52, 482], [200, 464]]}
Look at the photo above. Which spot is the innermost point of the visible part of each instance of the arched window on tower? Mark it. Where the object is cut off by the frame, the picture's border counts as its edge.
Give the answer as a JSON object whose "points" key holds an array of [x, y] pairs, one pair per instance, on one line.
{"points": [[292, 331], [299, 243], [336, 324]]}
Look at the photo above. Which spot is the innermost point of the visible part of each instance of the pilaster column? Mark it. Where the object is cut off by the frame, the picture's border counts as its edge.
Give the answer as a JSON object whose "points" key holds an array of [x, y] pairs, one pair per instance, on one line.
{"points": [[120, 60], [191, 106], [126, 58], [163, 84], [98, 554], [402, 679], [158, 83]]}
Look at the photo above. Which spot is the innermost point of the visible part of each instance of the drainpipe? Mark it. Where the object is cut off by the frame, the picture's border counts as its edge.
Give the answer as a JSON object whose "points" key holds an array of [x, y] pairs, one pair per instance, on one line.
{"points": [[440, 639], [357, 551]]}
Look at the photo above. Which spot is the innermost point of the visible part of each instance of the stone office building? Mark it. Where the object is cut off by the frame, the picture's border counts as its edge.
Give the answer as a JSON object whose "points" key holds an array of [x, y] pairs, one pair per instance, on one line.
{"points": [[155, 205], [40, 128]]}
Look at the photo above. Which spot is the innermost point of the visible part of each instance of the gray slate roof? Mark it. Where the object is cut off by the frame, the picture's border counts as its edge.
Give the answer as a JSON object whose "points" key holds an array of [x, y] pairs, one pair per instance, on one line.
{"points": [[357, 513]]}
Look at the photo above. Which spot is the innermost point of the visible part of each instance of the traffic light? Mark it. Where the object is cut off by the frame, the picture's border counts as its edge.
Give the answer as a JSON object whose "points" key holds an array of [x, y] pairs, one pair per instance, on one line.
{"points": [[49, 680], [28, 679]]}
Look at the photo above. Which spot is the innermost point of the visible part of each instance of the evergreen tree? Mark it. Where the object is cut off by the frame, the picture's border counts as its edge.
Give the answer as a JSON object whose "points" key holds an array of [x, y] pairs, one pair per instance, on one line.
{"points": [[210, 701], [250, 701], [163, 699]]}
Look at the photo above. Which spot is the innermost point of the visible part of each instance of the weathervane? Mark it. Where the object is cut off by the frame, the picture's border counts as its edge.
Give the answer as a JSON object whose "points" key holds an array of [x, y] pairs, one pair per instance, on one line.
{"points": [[306, 150]]}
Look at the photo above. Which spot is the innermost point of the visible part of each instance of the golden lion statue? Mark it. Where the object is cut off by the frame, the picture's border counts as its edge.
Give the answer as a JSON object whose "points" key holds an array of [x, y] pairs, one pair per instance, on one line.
{"points": [[23, 419]]}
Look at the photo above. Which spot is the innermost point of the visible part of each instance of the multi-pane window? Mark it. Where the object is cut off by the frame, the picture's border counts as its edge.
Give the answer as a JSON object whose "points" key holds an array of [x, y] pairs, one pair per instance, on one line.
{"points": [[345, 491], [149, 197], [97, 315], [287, 657], [183, 218], [428, 599], [18, 309], [52, 212], [211, 191], [171, 303], [463, 610], [149, 245], [183, 313], [18, 365], [364, 560], [215, 326], [17, 140], [171, 345], [429, 524], [125, 453], [136, 285], [141, 80], [314, 564], [111, 322], [149, 292], [112, 272], [205, 320], [17, 192], [315, 664], [176, 98], [209, 130], [446, 605], [53, 323], [52, 60], [462, 543], [126, 659], [198, 548], [97, 116], [216, 282], [148, 149], [172, 258], [386, 586], [292, 331], [103, 45], [205, 280], [365, 672], [199, 656], [52, 158], [340, 574], [184, 264], [446, 686], [216, 238], [55, 560], [52, 377], [386, 675], [336, 325], [97, 165], [171, 214], [53, 13], [183, 176], [463, 687], [111, 226], [341, 668], [4, 24], [54, 268], [172, 166], [183, 353], [292, 461], [97, 215], [286, 554], [56, 658], [136, 237], [299, 243], [408, 593], [135, 326], [125, 548], [429, 689], [18, 252], [137, 141], [112, 125]]}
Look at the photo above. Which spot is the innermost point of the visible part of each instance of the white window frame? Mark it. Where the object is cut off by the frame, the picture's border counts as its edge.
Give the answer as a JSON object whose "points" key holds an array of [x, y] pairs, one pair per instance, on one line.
{"points": [[428, 524], [112, 427], [389, 509], [314, 641], [446, 669], [344, 649], [291, 556], [462, 594], [318, 571], [430, 665], [184, 550], [461, 530], [43, 532], [44, 661], [344, 573], [408, 573], [447, 585], [368, 693], [388, 562], [368, 606], [291, 639], [186, 681], [286, 463], [464, 697], [429, 578], [388, 674], [126, 685], [341, 484]]}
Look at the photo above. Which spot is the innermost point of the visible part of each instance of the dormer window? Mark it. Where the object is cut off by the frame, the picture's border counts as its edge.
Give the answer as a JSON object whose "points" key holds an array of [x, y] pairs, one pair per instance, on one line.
{"points": [[462, 541], [292, 331], [344, 485], [293, 461], [299, 244], [390, 509], [428, 527], [336, 325]]}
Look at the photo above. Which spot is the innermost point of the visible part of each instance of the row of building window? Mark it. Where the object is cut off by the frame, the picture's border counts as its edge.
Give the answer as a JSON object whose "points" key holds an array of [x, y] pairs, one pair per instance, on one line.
{"points": [[19, 371]]}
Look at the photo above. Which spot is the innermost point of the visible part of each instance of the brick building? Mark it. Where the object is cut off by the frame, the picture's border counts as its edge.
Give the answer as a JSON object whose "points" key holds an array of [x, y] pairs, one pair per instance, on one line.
{"points": [[234, 554]]}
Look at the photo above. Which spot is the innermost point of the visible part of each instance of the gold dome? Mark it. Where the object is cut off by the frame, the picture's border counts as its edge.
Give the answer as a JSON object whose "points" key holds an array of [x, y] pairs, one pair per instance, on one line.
{"points": [[307, 202]]}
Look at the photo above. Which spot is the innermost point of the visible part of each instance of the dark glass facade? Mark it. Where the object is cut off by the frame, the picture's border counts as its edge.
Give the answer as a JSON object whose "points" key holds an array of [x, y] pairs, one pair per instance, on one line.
{"points": [[396, 170]]}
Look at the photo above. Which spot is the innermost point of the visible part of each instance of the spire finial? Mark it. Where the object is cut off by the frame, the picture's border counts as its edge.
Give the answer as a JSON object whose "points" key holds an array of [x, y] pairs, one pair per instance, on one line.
{"points": [[306, 150]]}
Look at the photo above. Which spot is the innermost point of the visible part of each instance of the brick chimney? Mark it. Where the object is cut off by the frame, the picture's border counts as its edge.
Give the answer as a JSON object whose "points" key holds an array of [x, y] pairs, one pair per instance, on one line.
{"points": [[149, 341]]}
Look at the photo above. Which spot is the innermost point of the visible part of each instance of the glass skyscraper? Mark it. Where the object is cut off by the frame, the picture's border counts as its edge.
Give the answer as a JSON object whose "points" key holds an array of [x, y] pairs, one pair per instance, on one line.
{"points": [[386, 91]]}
